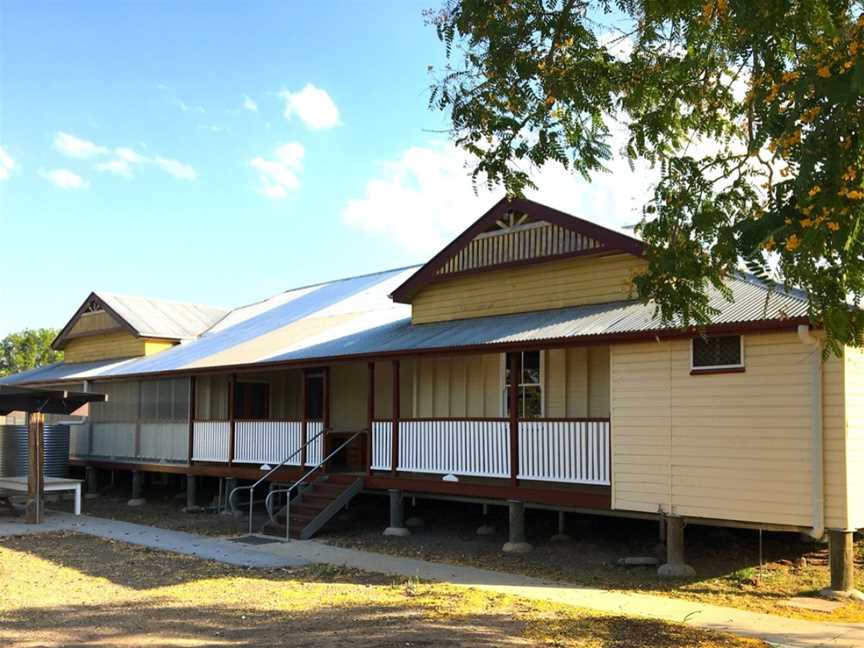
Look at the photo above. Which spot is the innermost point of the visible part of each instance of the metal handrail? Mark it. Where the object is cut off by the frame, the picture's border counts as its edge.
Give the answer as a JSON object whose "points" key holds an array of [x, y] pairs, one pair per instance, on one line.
{"points": [[287, 491], [251, 488]]}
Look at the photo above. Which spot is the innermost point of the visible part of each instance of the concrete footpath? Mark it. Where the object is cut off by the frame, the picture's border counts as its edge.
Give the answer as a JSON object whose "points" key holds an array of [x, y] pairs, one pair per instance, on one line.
{"points": [[190, 544], [778, 631]]}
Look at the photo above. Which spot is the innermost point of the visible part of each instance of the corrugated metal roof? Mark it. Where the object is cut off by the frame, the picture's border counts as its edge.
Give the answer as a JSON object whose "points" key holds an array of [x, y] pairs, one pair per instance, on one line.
{"points": [[63, 372], [749, 305], [305, 304], [161, 318], [354, 317]]}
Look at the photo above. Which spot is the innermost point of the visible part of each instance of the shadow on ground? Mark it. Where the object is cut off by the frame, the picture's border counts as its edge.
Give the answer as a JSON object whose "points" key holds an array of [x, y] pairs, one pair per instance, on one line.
{"points": [[65, 589], [157, 624]]}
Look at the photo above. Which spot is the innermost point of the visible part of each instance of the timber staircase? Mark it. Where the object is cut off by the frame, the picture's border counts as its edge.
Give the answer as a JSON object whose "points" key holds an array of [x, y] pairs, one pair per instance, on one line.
{"points": [[314, 505]]}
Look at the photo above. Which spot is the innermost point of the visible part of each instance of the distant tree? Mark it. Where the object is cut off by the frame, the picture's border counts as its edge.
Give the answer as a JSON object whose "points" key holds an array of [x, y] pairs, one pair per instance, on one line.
{"points": [[751, 111], [27, 349]]}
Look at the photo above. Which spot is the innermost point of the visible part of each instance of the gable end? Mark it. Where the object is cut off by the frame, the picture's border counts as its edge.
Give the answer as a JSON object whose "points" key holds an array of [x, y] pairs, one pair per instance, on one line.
{"points": [[516, 232]]}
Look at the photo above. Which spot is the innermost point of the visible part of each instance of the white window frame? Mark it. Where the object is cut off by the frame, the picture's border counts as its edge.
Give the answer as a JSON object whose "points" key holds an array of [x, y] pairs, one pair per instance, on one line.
{"points": [[712, 367], [502, 383]]}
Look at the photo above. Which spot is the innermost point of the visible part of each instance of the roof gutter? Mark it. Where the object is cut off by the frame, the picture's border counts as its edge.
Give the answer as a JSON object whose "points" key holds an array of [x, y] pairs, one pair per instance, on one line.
{"points": [[817, 454]]}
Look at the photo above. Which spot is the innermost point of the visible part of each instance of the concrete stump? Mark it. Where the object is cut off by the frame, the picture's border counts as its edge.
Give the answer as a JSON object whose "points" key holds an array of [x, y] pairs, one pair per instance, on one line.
{"points": [[842, 559], [230, 484], [675, 566], [485, 529], [91, 475], [561, 536], [516, 542], [191, 495], [397, 525], [137, 489]]}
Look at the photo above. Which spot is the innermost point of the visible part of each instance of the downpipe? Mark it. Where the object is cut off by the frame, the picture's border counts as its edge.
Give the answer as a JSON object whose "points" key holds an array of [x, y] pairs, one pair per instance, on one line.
{"points": [[817, 455]]}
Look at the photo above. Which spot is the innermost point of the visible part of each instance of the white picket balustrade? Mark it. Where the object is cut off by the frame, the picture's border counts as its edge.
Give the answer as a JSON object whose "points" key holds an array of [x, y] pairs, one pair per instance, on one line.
{"points": [[315, 450], [564, 451], [382, 445], [470, 447], [267, 442], [210, 440]]}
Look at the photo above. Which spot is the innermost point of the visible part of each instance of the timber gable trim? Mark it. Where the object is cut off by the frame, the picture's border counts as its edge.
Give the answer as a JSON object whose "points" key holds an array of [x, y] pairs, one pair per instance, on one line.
{"points": [[93, 300], [604, 241], [95, 304]]}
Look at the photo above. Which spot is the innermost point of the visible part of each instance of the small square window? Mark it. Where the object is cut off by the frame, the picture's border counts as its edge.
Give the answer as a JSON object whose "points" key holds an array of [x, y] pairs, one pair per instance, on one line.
{"points": [[721, 352]]}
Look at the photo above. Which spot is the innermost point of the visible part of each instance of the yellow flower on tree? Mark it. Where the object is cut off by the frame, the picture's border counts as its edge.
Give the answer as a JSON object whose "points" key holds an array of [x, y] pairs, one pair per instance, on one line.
{"points": [[792, 242]]}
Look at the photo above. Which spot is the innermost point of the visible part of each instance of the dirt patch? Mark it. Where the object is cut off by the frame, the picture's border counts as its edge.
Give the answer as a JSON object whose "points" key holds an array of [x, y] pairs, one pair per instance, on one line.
{"points": [[69, 589], [163, 509], [727, 561]]}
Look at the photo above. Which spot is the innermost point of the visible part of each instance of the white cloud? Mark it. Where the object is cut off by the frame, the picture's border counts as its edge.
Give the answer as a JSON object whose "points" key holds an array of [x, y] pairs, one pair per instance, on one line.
{"points": [[65, 179], [313, 106], [7, 164], [175, 168], [77, 147], [249, 104], [128, 154], [117, 166], [278, 175], [125, 159], [424, 198]]}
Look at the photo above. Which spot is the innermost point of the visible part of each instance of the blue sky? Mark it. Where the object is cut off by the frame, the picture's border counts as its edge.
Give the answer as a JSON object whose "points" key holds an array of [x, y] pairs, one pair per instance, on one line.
{"points": [[221, 152]]}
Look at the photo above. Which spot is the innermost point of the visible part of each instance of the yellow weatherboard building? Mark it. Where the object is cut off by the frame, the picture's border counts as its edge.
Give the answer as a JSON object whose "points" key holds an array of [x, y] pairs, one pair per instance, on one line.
{"points": [[514, 367]]}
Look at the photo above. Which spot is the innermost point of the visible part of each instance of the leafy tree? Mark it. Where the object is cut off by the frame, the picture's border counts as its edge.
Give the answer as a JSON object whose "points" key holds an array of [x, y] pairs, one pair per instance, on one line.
{"points": [[751, 113], [27, 349]]}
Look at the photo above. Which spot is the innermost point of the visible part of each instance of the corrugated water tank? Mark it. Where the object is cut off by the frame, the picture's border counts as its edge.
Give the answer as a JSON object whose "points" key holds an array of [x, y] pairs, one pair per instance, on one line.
{"points": [[13, 450]]}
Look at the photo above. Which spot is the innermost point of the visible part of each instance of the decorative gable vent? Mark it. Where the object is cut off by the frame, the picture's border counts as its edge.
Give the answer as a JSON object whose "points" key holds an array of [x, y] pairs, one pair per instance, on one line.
{"points": [[516, 238], [93, 306]]}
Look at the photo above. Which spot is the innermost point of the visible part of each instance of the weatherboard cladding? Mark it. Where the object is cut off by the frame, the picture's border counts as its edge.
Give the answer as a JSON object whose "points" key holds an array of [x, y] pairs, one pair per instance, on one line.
{"points": [[379, 328]]}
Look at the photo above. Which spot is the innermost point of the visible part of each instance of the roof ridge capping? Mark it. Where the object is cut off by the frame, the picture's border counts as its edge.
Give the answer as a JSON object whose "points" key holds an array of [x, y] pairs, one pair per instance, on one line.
{"points": [[161, 300], [610, 239], [778, 287]]}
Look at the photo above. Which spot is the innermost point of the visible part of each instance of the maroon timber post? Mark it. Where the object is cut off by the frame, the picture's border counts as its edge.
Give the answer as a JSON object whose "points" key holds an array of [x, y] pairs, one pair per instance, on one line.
{"points": [[515, 379], [191, 433], [232, 387], [326, 415], [370, 415], [325, 418], [304, 415], [394, 442]]}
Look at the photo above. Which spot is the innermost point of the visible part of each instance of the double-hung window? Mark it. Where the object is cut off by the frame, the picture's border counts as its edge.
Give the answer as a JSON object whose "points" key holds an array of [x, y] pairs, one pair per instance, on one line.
{"points": [[530, 384]]}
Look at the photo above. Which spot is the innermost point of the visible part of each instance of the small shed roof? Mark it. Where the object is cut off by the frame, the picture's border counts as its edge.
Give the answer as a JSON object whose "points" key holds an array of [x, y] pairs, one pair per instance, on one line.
{"points": [[46, 401]]}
